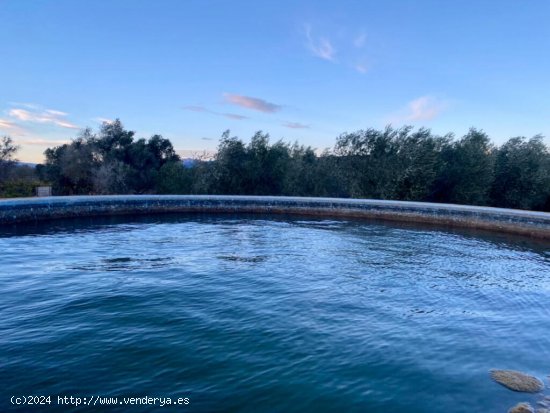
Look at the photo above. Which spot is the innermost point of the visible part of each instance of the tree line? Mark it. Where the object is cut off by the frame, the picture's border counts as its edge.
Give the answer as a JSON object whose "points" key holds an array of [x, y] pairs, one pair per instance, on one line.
{"points": [[392, 163]]}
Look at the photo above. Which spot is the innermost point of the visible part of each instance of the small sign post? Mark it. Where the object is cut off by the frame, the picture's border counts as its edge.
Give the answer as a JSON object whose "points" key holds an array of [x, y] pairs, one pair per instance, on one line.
{"points": [[42, 191]]}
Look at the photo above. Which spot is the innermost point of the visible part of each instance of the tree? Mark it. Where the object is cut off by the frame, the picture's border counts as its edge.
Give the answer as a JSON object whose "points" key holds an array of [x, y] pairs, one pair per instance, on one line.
{"points": [[7, 157], [113, 141], [174, 178], [372, 161], [109, 162], [420, 163], [301, 177], [467, 173], [522, 174], [145, 158], [70, 167], [386, 164], [231, 173], [267, 165], [110, 177]]}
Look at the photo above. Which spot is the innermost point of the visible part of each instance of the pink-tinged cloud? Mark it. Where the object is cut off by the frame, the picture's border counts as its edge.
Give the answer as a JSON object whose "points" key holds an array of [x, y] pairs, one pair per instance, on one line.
{"points": [[425, 108], [54, 117], [20, 114], [7, 124], [42, 142], [295, 125], [252, 103], [320, 47]]}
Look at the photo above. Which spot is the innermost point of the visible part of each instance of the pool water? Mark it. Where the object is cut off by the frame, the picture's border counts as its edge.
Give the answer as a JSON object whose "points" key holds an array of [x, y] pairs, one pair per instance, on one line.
{"points": [[254, 314]]}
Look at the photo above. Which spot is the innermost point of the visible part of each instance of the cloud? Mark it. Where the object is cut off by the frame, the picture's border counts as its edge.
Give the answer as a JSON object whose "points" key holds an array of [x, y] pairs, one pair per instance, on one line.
{"points": [[235, 116], [12, 128], [104, 120], [41, 142], [7, 124], [424, 108], [252, 103], [196, 109], [361, 68], [55, 113], [54, 117], [25, 105], [202, 109], [320, 47], [359, 41], [295, 125], [207, 139]]}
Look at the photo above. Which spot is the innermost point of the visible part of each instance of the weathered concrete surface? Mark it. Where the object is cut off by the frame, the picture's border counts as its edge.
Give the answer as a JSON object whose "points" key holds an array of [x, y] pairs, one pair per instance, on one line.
{"points": [[535, 224]]}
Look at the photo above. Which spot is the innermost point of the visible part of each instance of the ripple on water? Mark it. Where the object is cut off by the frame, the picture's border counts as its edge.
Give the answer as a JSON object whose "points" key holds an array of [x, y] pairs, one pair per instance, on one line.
{"points": [[245, 314]]}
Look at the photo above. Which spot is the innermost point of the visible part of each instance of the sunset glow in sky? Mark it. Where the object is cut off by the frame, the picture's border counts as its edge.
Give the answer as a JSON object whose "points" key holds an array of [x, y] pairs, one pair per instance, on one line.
{"points": [[300, 70]]}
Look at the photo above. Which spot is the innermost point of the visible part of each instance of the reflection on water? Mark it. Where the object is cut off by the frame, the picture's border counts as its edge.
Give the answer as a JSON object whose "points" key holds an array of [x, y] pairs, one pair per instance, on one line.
{"points": [[238, 258], [248, 314], [123, 264]]}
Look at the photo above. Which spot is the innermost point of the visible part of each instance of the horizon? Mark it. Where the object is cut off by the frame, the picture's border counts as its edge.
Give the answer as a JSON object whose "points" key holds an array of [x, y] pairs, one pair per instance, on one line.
{"points": [[303, 72]]}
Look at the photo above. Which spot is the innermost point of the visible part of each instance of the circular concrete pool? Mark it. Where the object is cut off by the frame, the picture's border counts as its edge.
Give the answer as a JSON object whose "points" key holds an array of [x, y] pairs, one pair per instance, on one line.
{"points": [[249, 313]]}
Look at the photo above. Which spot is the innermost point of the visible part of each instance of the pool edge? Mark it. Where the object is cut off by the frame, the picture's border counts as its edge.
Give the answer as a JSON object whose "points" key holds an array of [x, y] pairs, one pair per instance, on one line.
{"points": [[517, 222]]}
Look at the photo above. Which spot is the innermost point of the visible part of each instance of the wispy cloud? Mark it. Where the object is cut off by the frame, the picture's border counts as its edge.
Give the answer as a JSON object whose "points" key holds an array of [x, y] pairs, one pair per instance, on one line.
{"points": [[41, 142], [11, 127], [349, 42], [196, 109], [7, 124], [359, 41], [54, 117], [295, 125], [252, 103], [424, 108], [202, 109], [25, 105], [320, 46], [361, 68], [235, 116], [104, 120]]}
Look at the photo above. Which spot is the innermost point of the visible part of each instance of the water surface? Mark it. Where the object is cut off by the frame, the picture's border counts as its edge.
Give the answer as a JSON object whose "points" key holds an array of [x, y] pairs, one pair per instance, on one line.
{"points": [[248, 314]]}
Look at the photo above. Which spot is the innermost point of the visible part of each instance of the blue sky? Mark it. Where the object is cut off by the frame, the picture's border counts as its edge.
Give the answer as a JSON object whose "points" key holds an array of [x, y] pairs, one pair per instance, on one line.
{"points": [[304, 71]]}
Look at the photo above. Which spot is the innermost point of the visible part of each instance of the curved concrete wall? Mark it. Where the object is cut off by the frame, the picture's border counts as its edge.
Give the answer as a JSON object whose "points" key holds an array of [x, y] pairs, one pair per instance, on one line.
{"points": [[535, 224]]}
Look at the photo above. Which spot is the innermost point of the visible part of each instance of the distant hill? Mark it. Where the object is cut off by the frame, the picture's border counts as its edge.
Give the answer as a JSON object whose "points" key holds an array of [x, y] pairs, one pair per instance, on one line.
{"points": [[188, 162], [29, 164]]}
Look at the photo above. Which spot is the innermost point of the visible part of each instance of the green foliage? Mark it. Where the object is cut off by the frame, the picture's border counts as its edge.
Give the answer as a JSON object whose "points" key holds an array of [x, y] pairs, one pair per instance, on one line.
{"points": [[522, 174], [15, 180], [383, 164], [108, 163], [173, 178], [260, 168], [7, 157], [467, 172], [19, 188], [391, 164]]}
